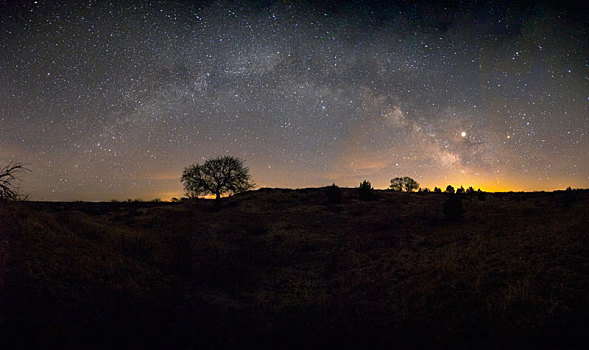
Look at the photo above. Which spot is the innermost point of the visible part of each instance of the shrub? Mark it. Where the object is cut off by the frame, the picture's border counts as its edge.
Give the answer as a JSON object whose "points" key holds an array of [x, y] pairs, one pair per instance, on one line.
{"points": [[365, 190], [437, 190], [450, 189], [453, 209], [334, 194], [460, 190], [481, 195]]}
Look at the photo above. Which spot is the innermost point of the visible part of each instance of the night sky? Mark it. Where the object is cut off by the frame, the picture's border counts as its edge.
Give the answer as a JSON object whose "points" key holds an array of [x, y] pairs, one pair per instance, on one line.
{"points": [[110, 100]]}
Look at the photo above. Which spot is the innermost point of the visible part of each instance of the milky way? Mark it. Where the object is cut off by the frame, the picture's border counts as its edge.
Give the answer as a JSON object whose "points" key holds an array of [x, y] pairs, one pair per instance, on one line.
{"points": [[111, 99]]}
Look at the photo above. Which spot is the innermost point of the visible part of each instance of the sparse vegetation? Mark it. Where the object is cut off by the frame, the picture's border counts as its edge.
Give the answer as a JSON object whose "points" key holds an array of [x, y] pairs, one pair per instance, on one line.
{"points": [[287, 271]]}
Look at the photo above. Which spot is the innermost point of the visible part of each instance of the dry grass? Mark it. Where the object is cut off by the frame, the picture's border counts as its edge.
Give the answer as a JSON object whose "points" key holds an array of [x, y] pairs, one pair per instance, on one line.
{"points": [[290, 269]]}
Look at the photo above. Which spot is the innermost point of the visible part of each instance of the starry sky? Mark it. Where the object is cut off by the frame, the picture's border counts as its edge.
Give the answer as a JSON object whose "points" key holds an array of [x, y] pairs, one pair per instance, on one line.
{"points": [[110, 100]]}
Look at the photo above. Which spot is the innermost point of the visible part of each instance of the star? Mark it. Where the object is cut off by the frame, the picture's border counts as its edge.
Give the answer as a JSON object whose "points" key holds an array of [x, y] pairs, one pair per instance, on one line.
{"points": [[103, 102]]}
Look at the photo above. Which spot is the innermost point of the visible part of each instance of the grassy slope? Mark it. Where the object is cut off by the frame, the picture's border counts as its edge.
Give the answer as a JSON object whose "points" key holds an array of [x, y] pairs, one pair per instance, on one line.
{"points": [[285, 268]]}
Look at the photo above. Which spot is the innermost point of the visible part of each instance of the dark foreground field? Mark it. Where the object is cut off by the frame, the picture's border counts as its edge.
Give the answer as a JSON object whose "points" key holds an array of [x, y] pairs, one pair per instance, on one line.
{"points": [[286, 269]]}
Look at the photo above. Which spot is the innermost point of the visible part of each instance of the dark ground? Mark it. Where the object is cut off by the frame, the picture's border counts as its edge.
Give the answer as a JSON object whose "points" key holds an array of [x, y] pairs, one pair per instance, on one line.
{"points": [[287, 269]]}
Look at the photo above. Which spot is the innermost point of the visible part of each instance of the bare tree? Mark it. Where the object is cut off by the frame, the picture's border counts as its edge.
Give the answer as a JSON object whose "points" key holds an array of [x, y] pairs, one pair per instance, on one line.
{"points": [[8, 178], [217, 176]]}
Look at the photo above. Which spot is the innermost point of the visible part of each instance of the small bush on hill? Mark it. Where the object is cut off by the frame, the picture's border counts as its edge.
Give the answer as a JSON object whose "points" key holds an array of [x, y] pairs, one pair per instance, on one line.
{"points": [[365, 190]]}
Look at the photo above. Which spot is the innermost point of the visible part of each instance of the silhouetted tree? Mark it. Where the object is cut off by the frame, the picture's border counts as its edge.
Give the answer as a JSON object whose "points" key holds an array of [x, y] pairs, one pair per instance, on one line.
{"points": [[8, 178], [405, 183], [460, 190], [410, 184], [437, 190], [397, 184], [365, 190], [426, 190], [470, 190], [449, 189], [217, 176]]}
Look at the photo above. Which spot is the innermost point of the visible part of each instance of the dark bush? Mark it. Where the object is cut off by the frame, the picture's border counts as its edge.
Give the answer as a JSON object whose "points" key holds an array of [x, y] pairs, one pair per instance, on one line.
{"points": [[481, 195], [450, 189], [334, 194], [453, 209], [365, 190]]}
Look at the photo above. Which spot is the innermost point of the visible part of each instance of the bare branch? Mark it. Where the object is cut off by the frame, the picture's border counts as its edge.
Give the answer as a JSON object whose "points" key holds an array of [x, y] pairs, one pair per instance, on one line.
{"points": [[8, 179]]}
